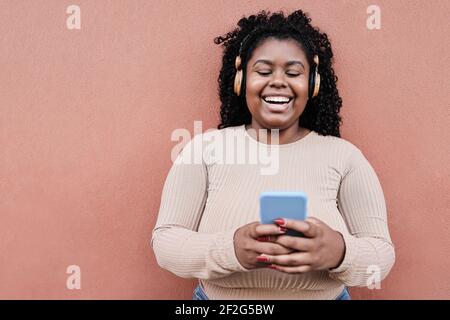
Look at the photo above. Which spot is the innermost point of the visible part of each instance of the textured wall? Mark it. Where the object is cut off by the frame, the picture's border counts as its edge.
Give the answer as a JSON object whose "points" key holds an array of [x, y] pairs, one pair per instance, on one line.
{"points": [[86, 117]]}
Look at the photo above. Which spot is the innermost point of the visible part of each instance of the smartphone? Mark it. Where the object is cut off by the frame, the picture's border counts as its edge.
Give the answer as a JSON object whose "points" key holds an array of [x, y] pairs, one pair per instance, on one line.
{"points": [[283, 204]]}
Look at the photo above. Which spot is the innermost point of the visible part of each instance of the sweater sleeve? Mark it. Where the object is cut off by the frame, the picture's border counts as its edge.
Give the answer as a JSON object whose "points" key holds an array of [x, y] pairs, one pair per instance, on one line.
{"points": [[369, 252], [176, 242]]}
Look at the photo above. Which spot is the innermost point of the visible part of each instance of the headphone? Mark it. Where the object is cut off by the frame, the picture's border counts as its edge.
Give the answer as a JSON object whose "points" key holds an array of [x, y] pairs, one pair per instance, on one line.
{"points": [[314, 77]]}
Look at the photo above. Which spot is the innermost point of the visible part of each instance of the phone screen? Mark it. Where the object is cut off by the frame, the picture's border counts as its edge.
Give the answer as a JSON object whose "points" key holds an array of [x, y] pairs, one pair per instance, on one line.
{"points": [[283, 204]]}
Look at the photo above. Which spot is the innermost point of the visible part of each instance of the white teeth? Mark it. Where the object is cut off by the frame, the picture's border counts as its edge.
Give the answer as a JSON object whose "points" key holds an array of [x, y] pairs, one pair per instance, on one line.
{"points": [[276, 99]]}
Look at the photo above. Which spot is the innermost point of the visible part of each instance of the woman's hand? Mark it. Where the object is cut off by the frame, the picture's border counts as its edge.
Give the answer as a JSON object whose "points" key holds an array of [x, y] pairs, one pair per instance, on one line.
{"points": [[322, 248], [254, 239]]}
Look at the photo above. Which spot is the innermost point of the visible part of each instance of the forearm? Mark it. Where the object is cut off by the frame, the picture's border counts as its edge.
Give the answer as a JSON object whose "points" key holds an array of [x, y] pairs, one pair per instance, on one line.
{"points": [[363, 257], [191, 254]]}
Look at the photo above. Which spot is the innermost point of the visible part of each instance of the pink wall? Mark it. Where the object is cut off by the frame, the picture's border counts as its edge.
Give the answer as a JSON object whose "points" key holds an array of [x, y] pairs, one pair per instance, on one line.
{"points": [[86, 117]]}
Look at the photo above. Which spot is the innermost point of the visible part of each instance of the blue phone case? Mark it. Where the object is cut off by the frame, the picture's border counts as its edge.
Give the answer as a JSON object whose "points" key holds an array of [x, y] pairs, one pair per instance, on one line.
{"points": [[283, 204]]}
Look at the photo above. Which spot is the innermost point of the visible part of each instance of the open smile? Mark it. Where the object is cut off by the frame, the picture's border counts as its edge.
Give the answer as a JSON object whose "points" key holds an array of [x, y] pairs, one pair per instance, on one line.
{"points": [[277, 104]]}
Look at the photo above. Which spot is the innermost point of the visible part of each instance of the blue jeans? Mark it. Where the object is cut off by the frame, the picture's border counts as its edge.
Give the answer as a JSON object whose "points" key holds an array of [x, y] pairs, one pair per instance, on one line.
{"points": [[199, 294]]}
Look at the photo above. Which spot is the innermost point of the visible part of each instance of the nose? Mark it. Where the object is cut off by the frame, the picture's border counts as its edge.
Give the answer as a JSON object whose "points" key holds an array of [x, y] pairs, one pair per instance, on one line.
{"points": [[278, 79]]}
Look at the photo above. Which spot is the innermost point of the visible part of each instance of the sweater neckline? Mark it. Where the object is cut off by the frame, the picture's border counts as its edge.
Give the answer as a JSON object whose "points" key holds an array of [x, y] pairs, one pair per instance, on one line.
{"points": [[285, 145]]}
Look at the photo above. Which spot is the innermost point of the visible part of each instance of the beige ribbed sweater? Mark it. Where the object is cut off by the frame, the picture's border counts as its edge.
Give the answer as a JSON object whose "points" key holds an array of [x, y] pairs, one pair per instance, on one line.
{"points": [[207, 197]]}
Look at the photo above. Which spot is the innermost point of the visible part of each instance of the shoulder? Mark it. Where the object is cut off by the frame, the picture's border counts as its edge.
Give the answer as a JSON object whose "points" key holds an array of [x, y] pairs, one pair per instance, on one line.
{"points": [[203, 144], [343, 153], [212, 136], [337, 144]]}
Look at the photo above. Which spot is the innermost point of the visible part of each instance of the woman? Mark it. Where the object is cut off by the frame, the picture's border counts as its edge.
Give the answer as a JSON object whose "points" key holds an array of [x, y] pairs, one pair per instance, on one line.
{"points": [[276, 76]]}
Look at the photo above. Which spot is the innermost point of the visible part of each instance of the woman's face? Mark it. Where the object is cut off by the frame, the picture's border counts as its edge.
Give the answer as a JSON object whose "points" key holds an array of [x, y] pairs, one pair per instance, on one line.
{"points": [[277, 78]]}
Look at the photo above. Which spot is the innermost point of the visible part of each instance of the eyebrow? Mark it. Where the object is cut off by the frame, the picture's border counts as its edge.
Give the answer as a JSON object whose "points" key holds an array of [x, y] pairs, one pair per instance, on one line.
{"points": [[289, 63]]}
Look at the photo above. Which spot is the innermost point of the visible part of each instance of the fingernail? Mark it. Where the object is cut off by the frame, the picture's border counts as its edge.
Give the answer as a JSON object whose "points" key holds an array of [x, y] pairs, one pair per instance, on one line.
{"points": [[280, 221], [283, 229], [272, 267], [262, 259], [263, 239]]}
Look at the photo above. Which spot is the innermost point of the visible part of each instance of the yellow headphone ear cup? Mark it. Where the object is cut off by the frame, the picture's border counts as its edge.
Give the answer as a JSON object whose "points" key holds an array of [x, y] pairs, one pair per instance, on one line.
{"points": [[238, 82], [316, 85], [238, 77], [316, 60], [237, 63]]}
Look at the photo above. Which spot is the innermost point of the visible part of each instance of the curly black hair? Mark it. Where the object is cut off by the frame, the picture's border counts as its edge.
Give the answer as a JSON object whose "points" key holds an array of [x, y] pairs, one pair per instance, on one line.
{"points": [[321, 113]]}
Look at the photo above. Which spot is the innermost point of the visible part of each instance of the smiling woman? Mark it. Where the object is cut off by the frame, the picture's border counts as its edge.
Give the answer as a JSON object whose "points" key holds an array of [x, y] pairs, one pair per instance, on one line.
{"points": [[276, 75], [283, 55], [277, 87]]}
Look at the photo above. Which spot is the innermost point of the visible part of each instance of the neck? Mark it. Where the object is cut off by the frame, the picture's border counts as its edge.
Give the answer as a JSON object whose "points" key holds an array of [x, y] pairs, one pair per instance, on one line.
{"points": [[287, 135]]}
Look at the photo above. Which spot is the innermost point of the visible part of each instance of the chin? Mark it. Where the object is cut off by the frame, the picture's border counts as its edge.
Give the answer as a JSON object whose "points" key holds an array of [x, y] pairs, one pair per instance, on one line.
{"points": [[275, 123]]}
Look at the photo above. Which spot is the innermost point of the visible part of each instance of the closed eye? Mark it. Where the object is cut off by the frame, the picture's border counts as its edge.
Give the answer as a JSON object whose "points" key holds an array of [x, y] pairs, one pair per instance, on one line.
{"points": [[268, 73]]}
